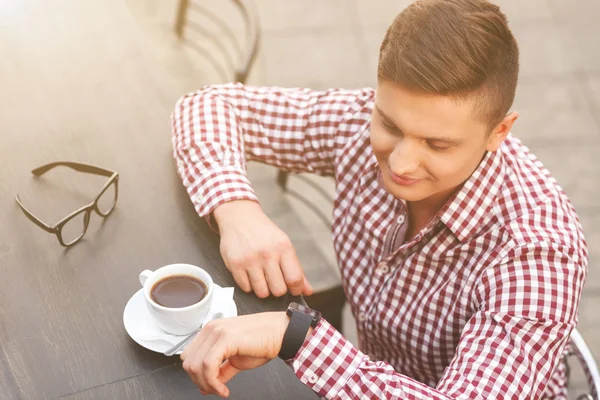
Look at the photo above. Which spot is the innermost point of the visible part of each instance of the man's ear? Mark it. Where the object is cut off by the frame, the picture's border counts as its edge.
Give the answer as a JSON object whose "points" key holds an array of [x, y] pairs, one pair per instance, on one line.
{"points": [[501, 131]]}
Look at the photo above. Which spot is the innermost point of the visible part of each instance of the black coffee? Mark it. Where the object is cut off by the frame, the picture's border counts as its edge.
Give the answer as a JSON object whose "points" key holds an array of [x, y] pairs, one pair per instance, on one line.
{"points": [[178, 291]]}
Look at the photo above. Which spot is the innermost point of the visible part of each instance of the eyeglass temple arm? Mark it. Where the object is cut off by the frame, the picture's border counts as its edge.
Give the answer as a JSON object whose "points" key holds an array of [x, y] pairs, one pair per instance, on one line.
{"points": [[90, 169], [33, 218]]}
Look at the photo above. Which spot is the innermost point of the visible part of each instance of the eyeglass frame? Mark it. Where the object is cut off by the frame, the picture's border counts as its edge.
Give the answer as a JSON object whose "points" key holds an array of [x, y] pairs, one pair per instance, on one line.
{"points": [[92, 206]]}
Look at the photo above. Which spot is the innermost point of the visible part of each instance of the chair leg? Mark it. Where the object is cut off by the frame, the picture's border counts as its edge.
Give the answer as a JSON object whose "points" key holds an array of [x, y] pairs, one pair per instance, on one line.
{"points": [[282, 179], [330, 303], [181, 15]]}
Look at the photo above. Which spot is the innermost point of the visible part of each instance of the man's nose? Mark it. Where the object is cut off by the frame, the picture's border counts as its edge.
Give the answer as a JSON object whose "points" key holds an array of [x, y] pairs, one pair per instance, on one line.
{"points": [[404, 159]]}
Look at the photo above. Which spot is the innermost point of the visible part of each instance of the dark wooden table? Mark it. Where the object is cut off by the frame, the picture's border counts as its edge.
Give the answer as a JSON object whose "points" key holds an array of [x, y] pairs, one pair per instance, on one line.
{"points": [[87, 82]]}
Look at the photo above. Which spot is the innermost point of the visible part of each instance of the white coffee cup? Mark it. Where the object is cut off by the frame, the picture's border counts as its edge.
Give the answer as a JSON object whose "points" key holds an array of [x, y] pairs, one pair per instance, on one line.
{"points": [[177, 321]]}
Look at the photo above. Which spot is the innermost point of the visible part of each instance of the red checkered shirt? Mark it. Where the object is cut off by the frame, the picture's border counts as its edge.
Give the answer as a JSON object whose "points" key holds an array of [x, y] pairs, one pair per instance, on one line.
{"points": [[478, 305]]}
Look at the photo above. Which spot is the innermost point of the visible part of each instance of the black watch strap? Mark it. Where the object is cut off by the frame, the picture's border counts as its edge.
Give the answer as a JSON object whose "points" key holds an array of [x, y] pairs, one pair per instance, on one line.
{"points": [[294, 335]]}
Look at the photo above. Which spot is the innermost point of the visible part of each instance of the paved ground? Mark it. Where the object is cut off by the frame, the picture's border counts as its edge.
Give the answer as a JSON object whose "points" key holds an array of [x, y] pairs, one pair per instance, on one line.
{"points": [[334, 43]]}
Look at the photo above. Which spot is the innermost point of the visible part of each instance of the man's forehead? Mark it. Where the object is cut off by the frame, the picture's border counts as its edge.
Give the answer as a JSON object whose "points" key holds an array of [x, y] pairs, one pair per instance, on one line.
{"points": [[432, 115]]}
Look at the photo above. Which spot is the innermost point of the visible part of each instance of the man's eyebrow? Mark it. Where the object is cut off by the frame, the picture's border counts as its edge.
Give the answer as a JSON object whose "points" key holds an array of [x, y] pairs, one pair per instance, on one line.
{"points": [[444, 139], [388, 119]]}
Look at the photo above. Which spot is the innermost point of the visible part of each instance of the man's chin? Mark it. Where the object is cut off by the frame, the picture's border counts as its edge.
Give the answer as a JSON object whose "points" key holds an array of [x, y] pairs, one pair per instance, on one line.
{"points": [[413, 193]]}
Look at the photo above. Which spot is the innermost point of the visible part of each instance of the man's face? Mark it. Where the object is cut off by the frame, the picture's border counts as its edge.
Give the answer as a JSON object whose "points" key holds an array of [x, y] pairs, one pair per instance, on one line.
{"points": [[427, 145]]}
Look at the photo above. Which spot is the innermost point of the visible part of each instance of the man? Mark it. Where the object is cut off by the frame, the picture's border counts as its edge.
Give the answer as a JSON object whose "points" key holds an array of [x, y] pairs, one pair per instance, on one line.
{"points": [[461, 258]]}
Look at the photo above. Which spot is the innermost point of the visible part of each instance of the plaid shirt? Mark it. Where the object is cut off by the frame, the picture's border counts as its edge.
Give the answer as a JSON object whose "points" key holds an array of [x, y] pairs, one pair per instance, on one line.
{"points": [[479, 304]]}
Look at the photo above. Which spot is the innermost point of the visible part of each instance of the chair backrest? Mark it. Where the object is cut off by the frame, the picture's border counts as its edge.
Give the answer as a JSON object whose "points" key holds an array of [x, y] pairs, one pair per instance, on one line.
{"points": [[589, 365], [212, 29], [308, 197]]}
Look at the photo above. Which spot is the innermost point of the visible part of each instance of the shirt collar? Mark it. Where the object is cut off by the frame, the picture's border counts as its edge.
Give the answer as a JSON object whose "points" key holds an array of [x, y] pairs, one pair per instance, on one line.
{"points": [[468, 208], [464, 213]]}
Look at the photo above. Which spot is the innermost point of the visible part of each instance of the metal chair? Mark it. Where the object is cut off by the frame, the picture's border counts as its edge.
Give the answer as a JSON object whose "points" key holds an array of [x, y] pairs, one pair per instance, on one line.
{"points": [[282, 181], [211, 31], [330, 299], [580, 350]]}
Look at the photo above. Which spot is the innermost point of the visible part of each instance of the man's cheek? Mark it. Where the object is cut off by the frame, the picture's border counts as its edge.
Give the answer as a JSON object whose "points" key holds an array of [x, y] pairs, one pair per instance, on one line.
{"points": [[381, 145]]}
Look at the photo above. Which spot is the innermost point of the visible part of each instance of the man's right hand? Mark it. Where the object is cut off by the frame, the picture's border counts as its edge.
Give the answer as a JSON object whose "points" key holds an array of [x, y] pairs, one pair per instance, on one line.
{"points": [[259, 255]]}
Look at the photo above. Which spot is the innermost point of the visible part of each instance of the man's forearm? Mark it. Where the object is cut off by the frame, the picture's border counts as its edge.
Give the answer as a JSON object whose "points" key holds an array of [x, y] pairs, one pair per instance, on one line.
{"points": [[228, 213]]}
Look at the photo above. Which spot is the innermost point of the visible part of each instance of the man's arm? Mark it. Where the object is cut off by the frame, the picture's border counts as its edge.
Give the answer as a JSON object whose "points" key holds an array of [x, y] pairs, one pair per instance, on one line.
{"points": [[527, 307], [217, 129]]}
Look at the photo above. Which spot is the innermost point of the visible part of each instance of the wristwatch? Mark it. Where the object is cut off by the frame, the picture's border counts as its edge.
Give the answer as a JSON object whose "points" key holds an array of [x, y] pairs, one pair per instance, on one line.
{"points": [[301, 319]]}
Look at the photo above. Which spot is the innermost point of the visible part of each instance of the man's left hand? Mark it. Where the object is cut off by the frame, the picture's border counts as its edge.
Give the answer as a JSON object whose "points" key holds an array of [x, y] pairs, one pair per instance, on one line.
{"points": [[227, 346]]}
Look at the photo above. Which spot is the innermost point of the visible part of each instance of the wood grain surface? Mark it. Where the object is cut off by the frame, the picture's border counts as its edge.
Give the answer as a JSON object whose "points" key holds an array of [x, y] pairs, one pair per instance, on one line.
{"points": [[87, 81]]}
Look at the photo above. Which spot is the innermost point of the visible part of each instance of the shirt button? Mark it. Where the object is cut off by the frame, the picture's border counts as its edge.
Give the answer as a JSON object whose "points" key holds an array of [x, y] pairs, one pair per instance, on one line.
{"points": [[383, 269], [362, 317], [400, 219], [313, 379]]}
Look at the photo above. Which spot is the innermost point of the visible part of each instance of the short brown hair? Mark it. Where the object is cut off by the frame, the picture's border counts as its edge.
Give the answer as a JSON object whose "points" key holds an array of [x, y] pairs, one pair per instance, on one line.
{"points": [[456, 48]]}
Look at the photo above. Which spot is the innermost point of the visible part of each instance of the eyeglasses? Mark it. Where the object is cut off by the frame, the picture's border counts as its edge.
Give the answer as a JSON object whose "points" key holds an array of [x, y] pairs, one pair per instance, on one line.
{"points": [[71, 228]]}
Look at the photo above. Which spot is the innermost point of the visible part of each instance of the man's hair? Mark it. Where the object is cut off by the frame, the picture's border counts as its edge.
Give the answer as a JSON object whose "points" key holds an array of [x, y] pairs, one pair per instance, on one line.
{"points": [[458, 48]]}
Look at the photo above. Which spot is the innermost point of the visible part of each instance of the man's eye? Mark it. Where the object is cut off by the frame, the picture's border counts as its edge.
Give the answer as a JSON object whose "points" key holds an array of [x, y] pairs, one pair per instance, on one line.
{"points": [[390, 127], [437, 148]]}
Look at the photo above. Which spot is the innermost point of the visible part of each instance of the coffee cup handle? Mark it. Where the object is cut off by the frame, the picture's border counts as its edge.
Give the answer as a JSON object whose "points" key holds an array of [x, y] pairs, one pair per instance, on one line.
{"points": [[144, 276]]}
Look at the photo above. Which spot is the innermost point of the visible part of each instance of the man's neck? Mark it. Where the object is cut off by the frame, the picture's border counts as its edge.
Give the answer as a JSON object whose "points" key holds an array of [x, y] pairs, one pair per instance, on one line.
{"points": [[422, 211]]}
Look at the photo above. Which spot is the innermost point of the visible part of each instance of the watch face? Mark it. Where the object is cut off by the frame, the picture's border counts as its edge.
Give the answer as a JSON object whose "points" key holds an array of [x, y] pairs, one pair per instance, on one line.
{"points": [[304, 309]]}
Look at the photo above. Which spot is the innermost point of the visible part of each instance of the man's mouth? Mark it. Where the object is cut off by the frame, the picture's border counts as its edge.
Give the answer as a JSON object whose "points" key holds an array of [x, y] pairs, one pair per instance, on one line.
{"points": [[404, 180]]}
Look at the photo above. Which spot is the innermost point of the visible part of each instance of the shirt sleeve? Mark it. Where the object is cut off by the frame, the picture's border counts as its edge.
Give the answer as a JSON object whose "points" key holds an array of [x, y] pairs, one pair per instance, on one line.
{"points": [[217, 129], [526, 308]]}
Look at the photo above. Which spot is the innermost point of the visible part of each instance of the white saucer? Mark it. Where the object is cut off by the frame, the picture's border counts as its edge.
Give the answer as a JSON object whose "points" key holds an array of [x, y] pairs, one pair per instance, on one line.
{"points": [[140, 326]]}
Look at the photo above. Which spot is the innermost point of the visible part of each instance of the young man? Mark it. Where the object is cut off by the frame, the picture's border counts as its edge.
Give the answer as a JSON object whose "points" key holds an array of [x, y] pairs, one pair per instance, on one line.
{"points": [[461, 258]]}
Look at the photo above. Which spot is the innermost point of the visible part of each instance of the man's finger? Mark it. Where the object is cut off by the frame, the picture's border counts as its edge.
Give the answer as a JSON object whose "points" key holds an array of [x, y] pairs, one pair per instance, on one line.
{"points": [[258, 282], [193, 364], [192, 347], [188, 351], [308, 290], [275, 279], [227, 371], [241, 278], [194, 379], [212, 360], [239, 275], [292, 272]]}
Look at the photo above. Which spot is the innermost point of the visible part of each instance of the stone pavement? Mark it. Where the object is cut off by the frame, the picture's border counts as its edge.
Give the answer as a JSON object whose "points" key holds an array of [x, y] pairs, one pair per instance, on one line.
{"points": [[335, 43]]}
